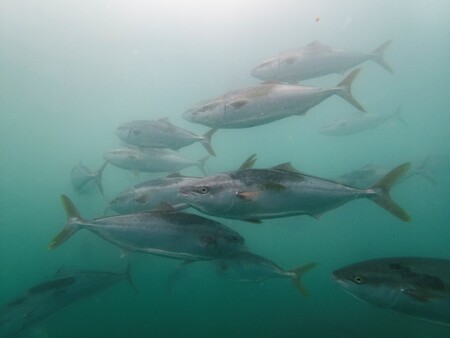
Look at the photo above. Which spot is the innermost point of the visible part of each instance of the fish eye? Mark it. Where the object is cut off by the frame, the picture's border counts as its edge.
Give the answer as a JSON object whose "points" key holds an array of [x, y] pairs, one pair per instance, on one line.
{"points": [[136, 132], [358, 279], [202, 190], [116, 200]]}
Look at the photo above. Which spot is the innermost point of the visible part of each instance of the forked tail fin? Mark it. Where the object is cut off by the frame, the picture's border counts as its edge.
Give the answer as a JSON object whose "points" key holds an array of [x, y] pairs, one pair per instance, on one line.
{"points": [[344, 89], [201, 164], [72, 225], [378, 57], [206, 141], [298, 272], [382, 187], [128, 277], [98, 178]]}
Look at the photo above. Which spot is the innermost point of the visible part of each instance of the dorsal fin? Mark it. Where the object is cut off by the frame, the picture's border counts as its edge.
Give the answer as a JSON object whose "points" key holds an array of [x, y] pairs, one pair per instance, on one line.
{"points": [[165, 120], [248, 163], [317, 45], [286, 167]]}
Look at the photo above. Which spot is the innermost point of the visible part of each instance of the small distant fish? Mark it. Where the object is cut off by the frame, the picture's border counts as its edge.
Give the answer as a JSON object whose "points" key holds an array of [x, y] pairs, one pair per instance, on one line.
{"points": [[84, 180], [265, 103], [315, 60], [165, 233], [151, 160], [244, 266], [282, 191], [149, 195], [415, 286], [47, 298], [435, 165], [161, 134], [370, 174], [358, 122]]}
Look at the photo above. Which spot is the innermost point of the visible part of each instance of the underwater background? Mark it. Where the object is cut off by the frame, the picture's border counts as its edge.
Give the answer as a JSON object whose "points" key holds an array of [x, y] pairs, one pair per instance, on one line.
{"points": [[72, 71]]}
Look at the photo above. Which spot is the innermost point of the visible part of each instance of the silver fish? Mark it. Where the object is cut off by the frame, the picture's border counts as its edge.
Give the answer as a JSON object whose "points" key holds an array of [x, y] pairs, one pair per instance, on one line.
{"points": [[161, 134], [151, 160], [84, 179], [149, 195], [247, 267], [282, 191], [370, 174], [418, 287], [315, 60], [50, 297], [266, 103], [358, 122], [165, 233]]}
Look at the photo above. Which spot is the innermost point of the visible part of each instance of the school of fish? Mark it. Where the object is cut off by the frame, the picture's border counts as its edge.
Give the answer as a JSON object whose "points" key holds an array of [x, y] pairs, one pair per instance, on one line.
{"points": [[153, 217]]}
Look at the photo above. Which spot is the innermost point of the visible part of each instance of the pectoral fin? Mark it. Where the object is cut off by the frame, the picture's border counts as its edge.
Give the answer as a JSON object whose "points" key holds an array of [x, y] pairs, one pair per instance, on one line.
{"points": [[248, 195], [207, 240], [421, 296], [238, 104]]}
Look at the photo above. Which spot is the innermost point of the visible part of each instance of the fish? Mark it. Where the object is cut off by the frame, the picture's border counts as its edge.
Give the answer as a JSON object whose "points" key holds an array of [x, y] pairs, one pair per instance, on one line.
{"points": [[265, 103], [369, 174], [281, 191], [151, 160], [161, 134], [358, 122], [47, 298], [315, 60], [415, 286], [84, 179], [435, 165], [247, 267], [149, 195], [166, 233]]}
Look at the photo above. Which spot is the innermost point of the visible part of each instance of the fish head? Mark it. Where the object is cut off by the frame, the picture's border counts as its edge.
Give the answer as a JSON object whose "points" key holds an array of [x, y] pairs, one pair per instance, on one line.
{"points": [[340, 127], [210, 113], [213, 195], [126, 132], [124, 202], [267, 70], [372, 282], [229, 241]]}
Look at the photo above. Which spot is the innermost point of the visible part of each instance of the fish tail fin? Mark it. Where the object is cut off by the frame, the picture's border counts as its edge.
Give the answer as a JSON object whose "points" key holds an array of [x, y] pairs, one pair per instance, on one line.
{"points": [[298, 274], [206, 141], [382, 187], [344, 89], [378, 57], [72, 225], [202, 163], [422, 170], [98, 179], [129, 278], [398, 115]]}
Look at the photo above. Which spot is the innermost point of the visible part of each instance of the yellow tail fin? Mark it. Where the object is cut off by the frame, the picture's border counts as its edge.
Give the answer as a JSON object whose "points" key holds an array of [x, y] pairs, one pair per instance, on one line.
{"points": [[382, 187], [299, 271], [72, 224]]}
